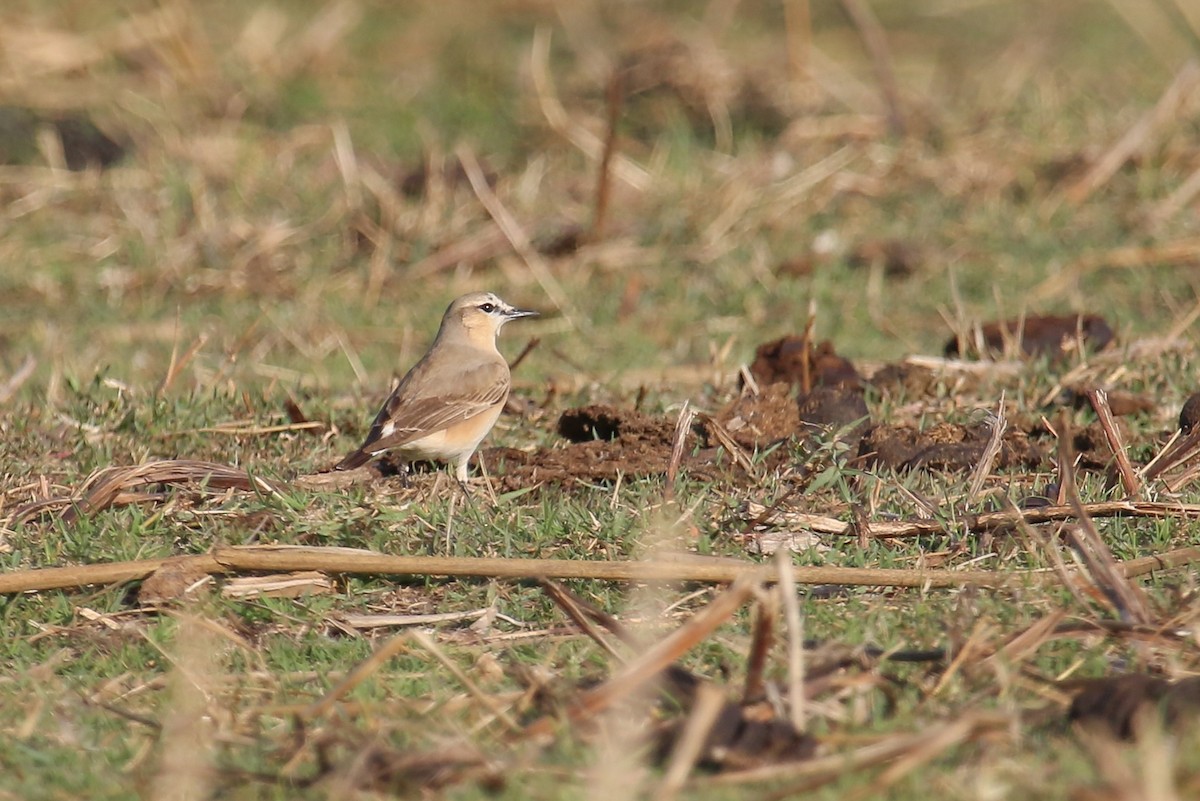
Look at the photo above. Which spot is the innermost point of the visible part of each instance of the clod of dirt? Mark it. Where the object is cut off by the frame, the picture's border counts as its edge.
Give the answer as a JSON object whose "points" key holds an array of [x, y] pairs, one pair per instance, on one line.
{"points": [[449, 173], [745, 737], [1189, 415], [945, 446], [83, 143], [1122, 404], [909, 380], [782, 361], [605, 442], [383, 770], [563, 240], [588, 423], [1053, 336], [1115, 703], [898, 257], [170, 582], [759, 421], [832, 407]]}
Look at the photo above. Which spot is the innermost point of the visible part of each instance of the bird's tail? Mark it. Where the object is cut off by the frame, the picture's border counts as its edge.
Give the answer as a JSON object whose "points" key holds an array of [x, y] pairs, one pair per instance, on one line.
{"points": [[355, 459]]}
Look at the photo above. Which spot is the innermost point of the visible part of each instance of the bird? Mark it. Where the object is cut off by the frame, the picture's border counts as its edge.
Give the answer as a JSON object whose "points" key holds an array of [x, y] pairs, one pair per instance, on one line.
{"points": [[450, 399]]}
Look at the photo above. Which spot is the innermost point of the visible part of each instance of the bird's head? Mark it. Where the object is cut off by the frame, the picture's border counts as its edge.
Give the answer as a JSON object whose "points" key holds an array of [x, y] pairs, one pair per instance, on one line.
{"points": [[481, 315]]}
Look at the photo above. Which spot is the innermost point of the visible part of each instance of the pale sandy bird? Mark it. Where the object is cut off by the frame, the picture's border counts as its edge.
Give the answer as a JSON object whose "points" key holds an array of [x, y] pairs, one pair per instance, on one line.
{"points": [[451, 398]]}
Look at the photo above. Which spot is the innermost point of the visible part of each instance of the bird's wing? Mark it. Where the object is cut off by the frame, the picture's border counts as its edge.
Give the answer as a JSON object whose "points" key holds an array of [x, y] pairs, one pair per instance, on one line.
{"points": [[425, 403]]}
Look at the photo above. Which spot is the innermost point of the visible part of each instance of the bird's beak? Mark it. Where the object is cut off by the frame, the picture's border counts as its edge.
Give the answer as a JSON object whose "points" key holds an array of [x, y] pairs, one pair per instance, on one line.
{"points": [[513, 314]]}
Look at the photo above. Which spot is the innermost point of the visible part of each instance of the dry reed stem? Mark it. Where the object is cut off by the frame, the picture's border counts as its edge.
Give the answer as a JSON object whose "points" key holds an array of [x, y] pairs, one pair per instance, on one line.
{"points": [[762, 638], [1128, 601], [649, 665], [689, 746], [360, 673], [1099, 400], [581, 615], [357, 562], [983, 521]]}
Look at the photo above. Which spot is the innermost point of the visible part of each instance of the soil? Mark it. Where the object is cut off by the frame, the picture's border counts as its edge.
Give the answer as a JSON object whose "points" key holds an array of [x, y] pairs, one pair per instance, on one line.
{"points": [[945, 446], [604, 442], [1055, 336], [783, 361], [1189, 415]]}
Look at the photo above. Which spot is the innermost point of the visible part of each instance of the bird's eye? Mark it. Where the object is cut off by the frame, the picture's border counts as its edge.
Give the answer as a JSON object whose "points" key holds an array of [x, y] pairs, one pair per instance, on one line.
{"points": [[487, 308]]}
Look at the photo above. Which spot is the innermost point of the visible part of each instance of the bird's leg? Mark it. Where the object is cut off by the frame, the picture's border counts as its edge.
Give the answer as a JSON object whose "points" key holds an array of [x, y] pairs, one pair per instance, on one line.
{"points": [[460, 475]]}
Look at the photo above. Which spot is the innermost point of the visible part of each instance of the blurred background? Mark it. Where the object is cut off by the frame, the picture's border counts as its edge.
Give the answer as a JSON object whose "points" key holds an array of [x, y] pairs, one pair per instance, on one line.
{"points": [[290, 193]]}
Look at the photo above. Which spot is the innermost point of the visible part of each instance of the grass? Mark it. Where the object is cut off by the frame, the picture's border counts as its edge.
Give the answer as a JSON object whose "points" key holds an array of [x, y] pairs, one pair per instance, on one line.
{"points": [[243, 243]]}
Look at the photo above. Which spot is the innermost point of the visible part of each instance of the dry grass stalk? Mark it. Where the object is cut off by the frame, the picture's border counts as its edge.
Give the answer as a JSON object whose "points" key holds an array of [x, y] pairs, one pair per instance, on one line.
{"points": [[109, 485], [1035, 541], [998, 424], [689, 746], [1099, 400], [797, 23], [556, 116], [730, 445], [287, 585], [516, 235], [614, 97], [177, 363], [1179, 452], [423, 639], [940, 740], [875, 41], [1181, 252], [683, 424], [984, 521], [648, 666], [400, 621], [762, 638], [486, 243], [361, 672], [525, 351], [582, 614], [972, 651], [1027, 642], [185, 769], [822, 770], [1128, 601], [1139, 137], [786, 589], [17, 379]]}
